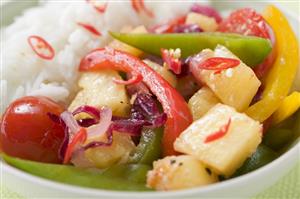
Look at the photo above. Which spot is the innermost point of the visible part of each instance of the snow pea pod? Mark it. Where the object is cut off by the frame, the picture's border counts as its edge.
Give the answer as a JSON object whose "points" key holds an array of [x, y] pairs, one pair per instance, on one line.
{"points": [[262, 156], [132, 172], [149, 148], [83, 177], [251, 50]]}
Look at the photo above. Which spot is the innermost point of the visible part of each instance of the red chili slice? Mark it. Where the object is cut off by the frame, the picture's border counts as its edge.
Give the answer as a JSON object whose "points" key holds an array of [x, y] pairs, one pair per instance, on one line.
{"points": [[79, 138], [219, 64], [90, 28], [135, 5], [99, 7], [220, 133], [41, 47], [147, 11], [139, 5], [174, 64]]}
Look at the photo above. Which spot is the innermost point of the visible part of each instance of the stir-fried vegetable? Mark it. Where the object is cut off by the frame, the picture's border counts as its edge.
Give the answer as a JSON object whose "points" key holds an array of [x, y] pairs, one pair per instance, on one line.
{"points": [[133, 172], [261, 157], [276, 138], [115, 178], [287, 108], [179, 116], [149, 147], [282, 73], [251, 50]]}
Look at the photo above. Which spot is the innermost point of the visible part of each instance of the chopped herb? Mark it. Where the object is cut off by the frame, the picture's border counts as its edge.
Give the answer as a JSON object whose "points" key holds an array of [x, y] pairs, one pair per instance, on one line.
{"points": [[172, 162]]}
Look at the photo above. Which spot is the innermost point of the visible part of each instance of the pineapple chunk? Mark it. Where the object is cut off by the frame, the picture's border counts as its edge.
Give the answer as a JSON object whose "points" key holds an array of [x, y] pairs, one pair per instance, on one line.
{"points": [[163, 71], [236, 86], [201, 102], [116, 44], [208, 24], [106, 156], [98, 89], [226, 154], [179, 172]]}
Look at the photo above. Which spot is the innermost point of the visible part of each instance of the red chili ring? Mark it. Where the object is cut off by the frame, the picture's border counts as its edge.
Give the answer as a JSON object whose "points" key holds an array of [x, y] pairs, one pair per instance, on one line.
{"points": [[40, 46]]}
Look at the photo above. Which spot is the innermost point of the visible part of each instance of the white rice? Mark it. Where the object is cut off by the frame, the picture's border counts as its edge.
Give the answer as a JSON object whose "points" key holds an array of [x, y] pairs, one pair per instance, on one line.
{"points": [[24, 73]]}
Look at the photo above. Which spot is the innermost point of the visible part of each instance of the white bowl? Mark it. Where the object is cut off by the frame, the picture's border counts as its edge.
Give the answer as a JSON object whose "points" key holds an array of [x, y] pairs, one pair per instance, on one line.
{"points": [[241, 187]]}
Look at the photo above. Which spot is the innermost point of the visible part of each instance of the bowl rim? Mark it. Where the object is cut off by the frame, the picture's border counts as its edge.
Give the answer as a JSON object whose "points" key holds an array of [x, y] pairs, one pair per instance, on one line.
{"points": [[293, 151]]}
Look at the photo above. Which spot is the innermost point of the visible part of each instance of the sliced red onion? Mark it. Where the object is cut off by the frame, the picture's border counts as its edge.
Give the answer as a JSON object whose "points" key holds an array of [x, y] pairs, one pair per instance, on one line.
{"points": [[103, 125], [92, 111], [145, 109], [131, 127], [109, 134], [70, 122], [187, 28], [87, 122], [158, 121], [208, 11], [137, 88]]}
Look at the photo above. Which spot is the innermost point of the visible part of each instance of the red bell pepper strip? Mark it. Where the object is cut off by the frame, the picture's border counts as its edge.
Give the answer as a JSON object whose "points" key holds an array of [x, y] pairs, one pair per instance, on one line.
{"points": [[179, 115]]}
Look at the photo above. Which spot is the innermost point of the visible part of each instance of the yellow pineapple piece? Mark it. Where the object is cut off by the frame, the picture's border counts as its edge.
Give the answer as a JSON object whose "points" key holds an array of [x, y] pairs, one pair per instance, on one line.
{"points": [[208, 24], [236, 86], [98, 89], [202, 101], [116, 44], [106, 156], [179, 172], [225, 154], [163, 71]]}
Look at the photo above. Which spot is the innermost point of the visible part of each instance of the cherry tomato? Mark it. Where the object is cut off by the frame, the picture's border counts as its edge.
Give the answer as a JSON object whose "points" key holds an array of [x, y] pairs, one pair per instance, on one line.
{"points": [[27, 131], [248, 22]]}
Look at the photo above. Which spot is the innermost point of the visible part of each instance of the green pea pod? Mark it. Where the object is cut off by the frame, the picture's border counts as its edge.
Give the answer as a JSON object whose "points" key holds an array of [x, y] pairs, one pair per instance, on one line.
{"points": [[262, 156], [132, 172], [251, 50], [276, 138], [149, 148], [77, 176]]}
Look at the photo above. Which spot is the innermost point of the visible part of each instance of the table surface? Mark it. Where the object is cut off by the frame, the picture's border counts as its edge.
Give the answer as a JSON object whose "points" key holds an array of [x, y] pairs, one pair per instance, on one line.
{"points": [[286, 188]]}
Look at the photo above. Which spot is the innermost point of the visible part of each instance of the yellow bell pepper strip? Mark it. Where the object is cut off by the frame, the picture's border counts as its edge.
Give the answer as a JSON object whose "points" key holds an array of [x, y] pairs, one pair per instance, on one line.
{"points": [[288, 107], [280, 78]]}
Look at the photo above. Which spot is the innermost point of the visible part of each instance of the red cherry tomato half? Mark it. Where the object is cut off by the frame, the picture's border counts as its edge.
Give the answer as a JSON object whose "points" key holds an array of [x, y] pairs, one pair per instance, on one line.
{"points": [[27, 132], [245, 21], [248, 22]]}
